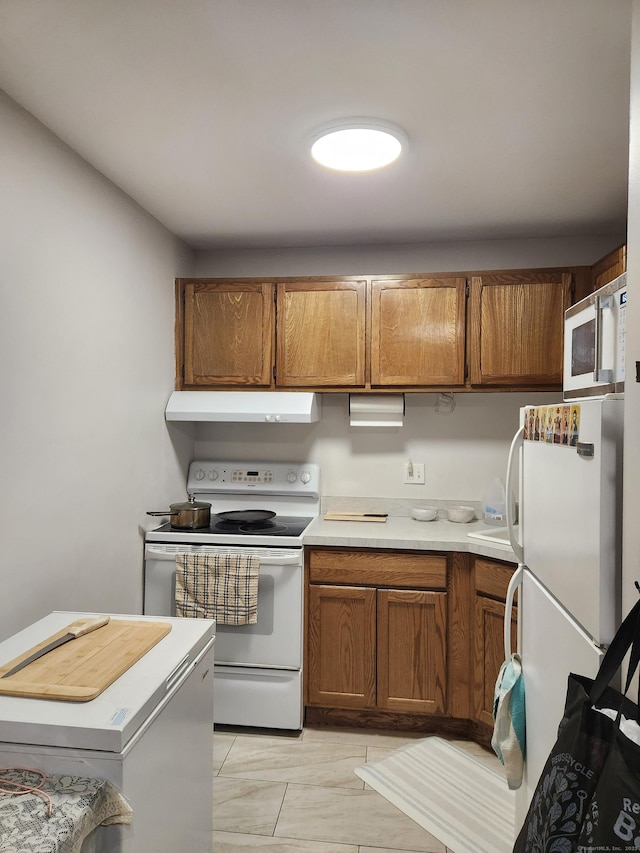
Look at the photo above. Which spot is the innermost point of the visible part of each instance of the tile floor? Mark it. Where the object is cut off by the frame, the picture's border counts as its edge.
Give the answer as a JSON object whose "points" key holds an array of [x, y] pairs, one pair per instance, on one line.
{"points": [[298, 793]]}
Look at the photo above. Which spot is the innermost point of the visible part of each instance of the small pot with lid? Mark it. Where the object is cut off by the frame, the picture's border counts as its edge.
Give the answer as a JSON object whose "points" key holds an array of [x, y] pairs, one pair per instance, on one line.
{"points": [[188, 515]]}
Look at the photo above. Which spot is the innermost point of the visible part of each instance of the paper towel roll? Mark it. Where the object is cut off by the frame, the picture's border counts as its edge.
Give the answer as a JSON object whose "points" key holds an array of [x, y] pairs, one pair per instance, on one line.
{"points": [[376, 410]]}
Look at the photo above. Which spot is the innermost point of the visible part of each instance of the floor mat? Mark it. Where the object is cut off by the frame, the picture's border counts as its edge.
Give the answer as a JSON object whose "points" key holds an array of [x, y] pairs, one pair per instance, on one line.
{"points": [[465, 804]]}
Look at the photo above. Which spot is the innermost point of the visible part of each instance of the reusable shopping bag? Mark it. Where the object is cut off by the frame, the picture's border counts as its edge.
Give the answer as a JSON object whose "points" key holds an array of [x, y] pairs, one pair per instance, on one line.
{"points": [[588, 796]]}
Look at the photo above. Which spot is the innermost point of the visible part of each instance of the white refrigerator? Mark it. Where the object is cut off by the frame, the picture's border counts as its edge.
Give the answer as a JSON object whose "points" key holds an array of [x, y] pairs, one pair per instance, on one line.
{"points": [[569, 460]]}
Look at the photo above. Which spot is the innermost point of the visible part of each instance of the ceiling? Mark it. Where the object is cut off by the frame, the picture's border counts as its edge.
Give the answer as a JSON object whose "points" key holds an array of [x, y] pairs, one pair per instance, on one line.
{"points": [[517, 112]]}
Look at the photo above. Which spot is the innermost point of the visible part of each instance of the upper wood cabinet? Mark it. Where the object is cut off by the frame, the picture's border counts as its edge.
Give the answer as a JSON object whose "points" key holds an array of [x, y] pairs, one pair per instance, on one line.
{"points": [[226, 334], [517, 328], [413, 333], [418, 332], [320, 334], [609, 267]]}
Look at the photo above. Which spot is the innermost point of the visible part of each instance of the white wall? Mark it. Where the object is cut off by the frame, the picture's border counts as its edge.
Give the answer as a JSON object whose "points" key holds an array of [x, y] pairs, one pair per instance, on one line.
{"points": [[86, 366], [631, 551], [409, 257], [462, 451]]}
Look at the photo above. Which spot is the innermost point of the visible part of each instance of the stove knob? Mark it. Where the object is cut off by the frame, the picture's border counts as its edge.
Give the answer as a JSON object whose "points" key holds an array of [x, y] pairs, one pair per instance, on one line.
{"points": [[268, 417], [199, 474], [291, 477], [305, 477], [213, 474]]}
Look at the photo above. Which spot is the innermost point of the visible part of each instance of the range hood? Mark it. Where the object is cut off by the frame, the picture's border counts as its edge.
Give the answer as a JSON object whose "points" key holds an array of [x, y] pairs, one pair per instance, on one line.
{"points": [[286, 407]]}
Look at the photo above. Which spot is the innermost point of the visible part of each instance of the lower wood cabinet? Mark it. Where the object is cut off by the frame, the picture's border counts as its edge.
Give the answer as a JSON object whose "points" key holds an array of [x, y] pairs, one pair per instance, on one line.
{"points": [[408, 639], [412, 650], [377, 631], [491, 579], [342, 646]]}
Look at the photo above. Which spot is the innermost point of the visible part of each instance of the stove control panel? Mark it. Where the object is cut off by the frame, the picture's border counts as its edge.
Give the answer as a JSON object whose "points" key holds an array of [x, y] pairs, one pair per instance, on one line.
{"points": [[265, 478], [257, 475]]}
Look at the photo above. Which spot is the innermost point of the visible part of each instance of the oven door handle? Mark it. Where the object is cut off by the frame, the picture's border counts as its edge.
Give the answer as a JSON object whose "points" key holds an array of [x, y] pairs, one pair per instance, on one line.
{"points": [[286, 560], [159, 553]]}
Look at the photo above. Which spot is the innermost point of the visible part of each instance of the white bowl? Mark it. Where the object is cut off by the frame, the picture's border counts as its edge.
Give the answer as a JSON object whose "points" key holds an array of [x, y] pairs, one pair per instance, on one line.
{"points": [[424, 513], [461, 513]]}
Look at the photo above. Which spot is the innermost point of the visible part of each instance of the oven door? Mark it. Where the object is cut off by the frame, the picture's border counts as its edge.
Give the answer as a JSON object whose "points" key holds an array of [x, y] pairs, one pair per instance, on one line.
{"points": [[276, 639]]}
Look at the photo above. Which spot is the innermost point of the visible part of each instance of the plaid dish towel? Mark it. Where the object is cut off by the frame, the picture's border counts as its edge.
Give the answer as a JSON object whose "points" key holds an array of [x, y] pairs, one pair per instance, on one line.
{"points": [[223, 587]]}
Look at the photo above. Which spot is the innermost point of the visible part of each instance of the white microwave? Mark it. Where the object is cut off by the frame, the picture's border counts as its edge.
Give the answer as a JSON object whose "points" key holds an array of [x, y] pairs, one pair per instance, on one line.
{"points": [[594, 342]]}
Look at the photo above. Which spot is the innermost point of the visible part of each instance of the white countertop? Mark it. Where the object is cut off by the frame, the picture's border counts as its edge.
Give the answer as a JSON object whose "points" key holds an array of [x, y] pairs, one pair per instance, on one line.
{"points": [[403, 532]]}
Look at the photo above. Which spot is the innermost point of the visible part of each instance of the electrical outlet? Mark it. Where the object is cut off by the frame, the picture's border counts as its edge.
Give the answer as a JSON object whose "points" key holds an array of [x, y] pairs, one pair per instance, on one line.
{"points": [[414, 473]]}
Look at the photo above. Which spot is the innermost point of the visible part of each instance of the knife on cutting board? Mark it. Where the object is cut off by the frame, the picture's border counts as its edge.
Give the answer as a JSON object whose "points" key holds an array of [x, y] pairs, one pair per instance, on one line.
{"points": [[76, 629], [356, 516]]}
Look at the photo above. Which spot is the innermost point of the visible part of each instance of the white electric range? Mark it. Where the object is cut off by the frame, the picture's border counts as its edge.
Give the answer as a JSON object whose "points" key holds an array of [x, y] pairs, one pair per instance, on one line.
{"points": [[258, 668]]}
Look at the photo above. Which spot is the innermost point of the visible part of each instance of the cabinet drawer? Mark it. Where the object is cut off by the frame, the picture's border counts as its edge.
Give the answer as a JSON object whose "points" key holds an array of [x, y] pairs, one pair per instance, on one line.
{"points": [[378, 568], [492, 578]]}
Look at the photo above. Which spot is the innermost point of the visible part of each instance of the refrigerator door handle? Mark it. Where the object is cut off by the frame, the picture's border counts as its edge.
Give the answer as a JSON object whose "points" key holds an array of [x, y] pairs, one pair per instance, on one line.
{"points": [[514, 583], [516, 445]]}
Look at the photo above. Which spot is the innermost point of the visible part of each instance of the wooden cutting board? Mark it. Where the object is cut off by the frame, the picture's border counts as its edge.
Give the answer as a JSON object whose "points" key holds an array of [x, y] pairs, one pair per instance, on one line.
{"points": [[82, 668]]}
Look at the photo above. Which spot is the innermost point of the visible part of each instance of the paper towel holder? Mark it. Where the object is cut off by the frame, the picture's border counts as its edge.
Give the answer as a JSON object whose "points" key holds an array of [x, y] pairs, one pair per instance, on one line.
{"points": [[376, 410]]}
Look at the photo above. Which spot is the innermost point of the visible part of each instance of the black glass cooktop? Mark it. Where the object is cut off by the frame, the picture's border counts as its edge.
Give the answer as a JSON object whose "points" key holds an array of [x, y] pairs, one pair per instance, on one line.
{"points": [[280, 525]]}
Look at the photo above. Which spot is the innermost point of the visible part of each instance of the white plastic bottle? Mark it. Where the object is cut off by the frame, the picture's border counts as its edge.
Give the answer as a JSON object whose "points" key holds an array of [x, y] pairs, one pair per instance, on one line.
{"points": [[494, 509]]}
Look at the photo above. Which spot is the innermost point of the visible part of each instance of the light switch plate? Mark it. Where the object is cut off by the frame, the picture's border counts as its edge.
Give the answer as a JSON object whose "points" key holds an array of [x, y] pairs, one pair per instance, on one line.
{"points": [[414, 473]]}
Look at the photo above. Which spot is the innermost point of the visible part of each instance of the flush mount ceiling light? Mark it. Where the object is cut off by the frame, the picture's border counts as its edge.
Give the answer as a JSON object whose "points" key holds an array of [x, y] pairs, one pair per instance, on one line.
{"points": [[357, 145]]}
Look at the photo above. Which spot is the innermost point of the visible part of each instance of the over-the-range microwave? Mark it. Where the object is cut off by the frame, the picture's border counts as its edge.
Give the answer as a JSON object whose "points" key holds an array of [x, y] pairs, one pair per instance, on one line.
{"points": [[594, 342]]}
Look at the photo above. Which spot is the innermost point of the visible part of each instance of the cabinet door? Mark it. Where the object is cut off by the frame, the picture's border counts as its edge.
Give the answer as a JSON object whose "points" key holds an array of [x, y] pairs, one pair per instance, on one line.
{"points": [[412, 630], [488, 653], [228, 334], [517, 328], [320, 334], [417, 332], [609, 267], [342, 646]]}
